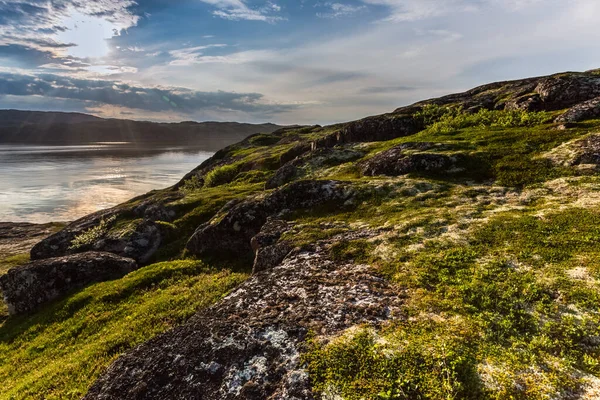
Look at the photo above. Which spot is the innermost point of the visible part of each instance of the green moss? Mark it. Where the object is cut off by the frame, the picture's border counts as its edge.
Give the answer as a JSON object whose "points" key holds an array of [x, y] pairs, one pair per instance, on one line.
{"points": [[10, 261], [57, 352], [222, 175], [264, 139], [412, 361]]}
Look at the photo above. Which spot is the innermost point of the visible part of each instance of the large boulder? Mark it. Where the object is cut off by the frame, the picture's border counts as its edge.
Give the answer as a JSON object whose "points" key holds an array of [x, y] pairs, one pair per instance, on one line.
{"points": [[248, 346], [27, 287], [230, 231], [126, 230], [587, 110]]}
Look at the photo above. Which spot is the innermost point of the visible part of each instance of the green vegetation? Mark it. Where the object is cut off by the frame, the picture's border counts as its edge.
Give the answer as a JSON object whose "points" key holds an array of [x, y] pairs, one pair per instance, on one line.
{"points": [[11, 261], [443, 120], [93, 234], [57, 352], [221, 175]]}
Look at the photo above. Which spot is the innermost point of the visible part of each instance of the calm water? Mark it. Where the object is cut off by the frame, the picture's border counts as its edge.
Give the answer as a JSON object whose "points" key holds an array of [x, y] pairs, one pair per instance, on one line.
{"points": [[63, 183]]}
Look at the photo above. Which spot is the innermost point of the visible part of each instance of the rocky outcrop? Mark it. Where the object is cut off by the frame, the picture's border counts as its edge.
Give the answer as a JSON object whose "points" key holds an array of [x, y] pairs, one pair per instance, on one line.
{"points": [[248, 346], [230, 232], [396, 162], [139, 239], [546, 93], [285, 174], [27, 287], [580, 112], [372, 129], [268, 249]]}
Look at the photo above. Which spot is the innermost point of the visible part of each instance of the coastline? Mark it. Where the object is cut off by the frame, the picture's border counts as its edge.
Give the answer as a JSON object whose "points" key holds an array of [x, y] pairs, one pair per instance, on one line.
{"points": [[17, 238]]}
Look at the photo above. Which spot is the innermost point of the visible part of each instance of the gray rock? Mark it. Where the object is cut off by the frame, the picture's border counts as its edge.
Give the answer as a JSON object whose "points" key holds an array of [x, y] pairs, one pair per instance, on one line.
{"points": [[580, 112], [140, 243], [268, 249], [248, 346], [27, 287], [284, 175]]}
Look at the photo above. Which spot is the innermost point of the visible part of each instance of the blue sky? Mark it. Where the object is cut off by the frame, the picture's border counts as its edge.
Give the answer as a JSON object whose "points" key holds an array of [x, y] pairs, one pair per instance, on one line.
{"points": [[301, 61]]}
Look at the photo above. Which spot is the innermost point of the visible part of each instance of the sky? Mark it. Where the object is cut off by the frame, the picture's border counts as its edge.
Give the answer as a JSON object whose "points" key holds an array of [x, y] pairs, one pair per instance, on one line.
{"points": [[282, 61]]}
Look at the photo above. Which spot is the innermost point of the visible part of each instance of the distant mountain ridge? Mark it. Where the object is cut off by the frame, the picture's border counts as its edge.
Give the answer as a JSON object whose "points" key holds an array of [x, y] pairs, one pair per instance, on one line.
{"points": [[59, 128]]}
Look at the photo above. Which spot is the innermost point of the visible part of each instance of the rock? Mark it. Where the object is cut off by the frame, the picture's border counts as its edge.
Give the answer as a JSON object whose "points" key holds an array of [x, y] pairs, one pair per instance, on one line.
{"points": [[588, 151], [284, 175], [546, 93], [97, 232], [395, 162], [582, 153], [562, 91], [59, 244], [27, 287], [372, 129], [269, 250], [248, 346], [230, 234], [294, 152], [580, 112]]}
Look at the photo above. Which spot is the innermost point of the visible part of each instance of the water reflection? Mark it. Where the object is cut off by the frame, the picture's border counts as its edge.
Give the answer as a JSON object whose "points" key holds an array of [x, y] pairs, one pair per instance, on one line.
{"points": [[61, 183]]}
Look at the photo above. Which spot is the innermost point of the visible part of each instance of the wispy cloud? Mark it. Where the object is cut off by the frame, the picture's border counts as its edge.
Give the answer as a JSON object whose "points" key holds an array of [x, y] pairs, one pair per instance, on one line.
{"points": [[412, 10], [191, 55], [237, 10], [338, 10]]}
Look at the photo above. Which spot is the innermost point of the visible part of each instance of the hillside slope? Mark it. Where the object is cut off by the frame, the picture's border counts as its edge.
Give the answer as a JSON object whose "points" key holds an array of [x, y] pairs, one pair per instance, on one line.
{"points": [[446, 250]]}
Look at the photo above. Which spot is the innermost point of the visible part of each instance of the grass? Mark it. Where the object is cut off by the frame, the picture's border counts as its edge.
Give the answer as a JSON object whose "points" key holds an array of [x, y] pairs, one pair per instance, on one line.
{"points": [[11, 261], [57, 352]]}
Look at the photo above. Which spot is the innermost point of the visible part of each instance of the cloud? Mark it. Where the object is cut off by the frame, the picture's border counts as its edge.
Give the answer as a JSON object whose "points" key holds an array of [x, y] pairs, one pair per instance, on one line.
{"points": [[236, 10], [96, 93], [413, 10], [64, 27], [338, 10], [191, 55]]}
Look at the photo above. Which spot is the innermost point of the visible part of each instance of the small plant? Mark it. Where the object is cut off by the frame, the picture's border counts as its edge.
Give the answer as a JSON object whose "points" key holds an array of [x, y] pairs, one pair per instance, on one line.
{"points": [[222, 175], [191, 185], [93, 234]]}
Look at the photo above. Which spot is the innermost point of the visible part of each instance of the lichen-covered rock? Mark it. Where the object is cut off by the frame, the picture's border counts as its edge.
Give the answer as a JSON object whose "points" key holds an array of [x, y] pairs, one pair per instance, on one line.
{"points": [[97, 232], [248, 346], [27, 287], [580, 112], [231, 233], [396, 161], [582, 153], [283, 175], [268, 249]]}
